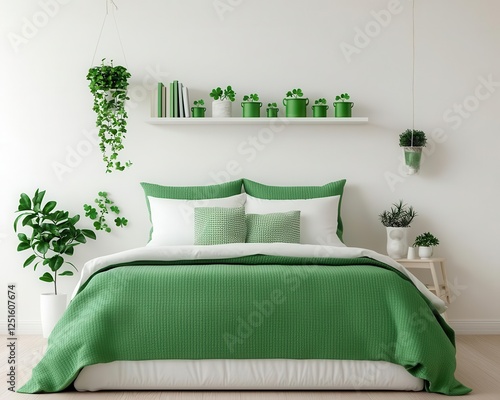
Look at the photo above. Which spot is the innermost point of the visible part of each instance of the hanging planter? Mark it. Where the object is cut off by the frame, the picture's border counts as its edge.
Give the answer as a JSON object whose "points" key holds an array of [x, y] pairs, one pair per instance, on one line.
{"points": [[223, 101], [295, 106], [320, 108], [343, 108], [251, 106], [412, 142], [108, 84]]}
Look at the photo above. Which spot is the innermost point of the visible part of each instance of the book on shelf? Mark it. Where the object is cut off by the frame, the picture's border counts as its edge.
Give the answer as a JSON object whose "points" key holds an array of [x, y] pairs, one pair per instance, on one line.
{"points": [[185, 97], [180, 101], [170, 101], [175, 99]]}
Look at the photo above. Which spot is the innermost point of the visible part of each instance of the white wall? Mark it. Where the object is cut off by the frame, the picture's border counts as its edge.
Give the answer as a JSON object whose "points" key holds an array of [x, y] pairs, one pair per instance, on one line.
{"points": [[267, 47]]}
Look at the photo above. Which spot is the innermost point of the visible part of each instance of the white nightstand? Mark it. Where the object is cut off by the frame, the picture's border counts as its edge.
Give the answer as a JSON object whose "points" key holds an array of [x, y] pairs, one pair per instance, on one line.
{"points": [[439, 284]]}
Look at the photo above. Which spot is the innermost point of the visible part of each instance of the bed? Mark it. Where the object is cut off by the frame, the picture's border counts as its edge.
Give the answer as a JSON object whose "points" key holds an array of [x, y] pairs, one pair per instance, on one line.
{"points": [[219, 300]]}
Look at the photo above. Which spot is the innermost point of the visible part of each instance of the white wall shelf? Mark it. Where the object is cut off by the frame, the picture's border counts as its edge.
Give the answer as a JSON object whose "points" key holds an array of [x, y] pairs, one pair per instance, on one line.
{"points": [[258, 121]]}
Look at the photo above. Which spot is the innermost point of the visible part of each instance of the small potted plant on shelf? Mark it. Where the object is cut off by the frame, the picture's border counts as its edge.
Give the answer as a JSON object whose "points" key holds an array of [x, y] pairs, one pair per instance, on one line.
{"points": [[343, 108], [108, 84], [397, 221], [251, 105], [320, 108], [425, 242], [198, 109], [272, 110], [412, 141], [295, 105], [223, 100], [52, 237]]}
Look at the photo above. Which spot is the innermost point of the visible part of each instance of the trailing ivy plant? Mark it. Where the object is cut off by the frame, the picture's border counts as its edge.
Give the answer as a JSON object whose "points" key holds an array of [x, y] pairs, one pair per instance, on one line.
{"points": [[52, 235], [108, 84], [296, 93], [342, 97], [251, 97], [226, 94], [104, 206]]}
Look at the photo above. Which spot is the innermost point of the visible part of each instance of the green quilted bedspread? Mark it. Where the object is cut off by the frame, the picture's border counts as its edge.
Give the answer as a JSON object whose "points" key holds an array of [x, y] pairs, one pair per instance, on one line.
{"points": [[263, 307]]}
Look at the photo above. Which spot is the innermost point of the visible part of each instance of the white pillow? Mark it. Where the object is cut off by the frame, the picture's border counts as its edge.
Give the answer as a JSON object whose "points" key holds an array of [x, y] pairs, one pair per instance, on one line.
{"points": [[173, 220], [318, 217]]}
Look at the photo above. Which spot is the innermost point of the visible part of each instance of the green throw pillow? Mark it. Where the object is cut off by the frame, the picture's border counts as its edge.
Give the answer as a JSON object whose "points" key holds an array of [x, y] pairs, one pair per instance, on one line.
{"points": [[274, 227], [218, 225], [262, 191]]}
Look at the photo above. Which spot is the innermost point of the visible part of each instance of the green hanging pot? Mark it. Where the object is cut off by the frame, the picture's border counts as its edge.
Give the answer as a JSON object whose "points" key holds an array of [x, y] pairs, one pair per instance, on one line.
{"points": [[413, 156], [343, 109], [295, 107], [320, 110], [198, 112], [272, 112], [251, 109]]}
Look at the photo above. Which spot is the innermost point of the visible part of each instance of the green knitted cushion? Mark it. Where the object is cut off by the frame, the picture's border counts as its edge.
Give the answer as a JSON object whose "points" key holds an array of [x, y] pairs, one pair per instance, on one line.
{"points": [[274, 227], [218, 225]]}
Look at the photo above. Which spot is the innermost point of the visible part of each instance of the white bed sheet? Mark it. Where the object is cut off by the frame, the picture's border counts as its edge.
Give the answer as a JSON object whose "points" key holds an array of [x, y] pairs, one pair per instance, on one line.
{"points": [[247, 375]]}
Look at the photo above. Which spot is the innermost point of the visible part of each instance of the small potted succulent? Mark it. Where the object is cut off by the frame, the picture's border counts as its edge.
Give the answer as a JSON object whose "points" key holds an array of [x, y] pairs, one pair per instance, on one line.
{"points": [[272, 110], [295, 105], [397, 221], [425, 242], [251, 106], [108, 84], [198, 109], [320, 108], [223, 100], [343, 108], [412, 141]]}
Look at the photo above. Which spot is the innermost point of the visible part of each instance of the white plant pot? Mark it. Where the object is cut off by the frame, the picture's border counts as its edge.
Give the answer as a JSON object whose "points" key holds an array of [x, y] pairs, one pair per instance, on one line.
{"points": [[397, 242], [221, 109], [412, 253], [424, 252], [52, 307]]}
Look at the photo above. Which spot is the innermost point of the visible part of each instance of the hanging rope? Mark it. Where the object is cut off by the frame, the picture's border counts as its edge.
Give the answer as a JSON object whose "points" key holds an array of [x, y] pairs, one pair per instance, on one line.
{"points": [[108, 4], [413, 73]]}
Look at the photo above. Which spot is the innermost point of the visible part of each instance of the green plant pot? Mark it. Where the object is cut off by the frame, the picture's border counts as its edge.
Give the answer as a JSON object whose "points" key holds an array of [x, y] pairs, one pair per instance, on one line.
{"points": [[413, 156], [295, 107], [272, 112], [198, 112], [343, 109], [251, 109], [320, 110]]}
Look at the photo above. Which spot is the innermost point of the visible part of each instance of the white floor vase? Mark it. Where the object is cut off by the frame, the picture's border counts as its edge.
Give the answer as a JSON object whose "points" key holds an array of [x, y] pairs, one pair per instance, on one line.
{"points": [[52, 307]]}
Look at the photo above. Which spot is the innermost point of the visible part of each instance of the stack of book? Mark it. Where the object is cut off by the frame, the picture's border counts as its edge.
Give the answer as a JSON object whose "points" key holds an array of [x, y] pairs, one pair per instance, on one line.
{"points": [[170, 101]]}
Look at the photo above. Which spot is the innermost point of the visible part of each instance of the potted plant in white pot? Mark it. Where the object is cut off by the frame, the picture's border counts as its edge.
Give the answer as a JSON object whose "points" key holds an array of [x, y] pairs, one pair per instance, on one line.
{"points": [[425, 242], [108, 84], [397, 221], [412, 142], [222, 103], [52, 237]]}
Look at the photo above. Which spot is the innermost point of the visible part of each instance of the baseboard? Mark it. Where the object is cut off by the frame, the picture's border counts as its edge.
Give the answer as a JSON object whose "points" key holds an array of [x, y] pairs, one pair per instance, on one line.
{"points": [[462, 327]]}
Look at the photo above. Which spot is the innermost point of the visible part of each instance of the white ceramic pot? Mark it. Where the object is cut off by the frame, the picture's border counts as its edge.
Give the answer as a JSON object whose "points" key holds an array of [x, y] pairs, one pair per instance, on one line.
{"points": [[397, 242], [412, 253], [221, 109], [424, 252], [52, 307]]}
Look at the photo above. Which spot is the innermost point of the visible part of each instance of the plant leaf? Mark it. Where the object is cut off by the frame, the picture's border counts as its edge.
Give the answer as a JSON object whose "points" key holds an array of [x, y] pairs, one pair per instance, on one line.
{"points": [[66, 273], [47, 278], [49, 207], [24, 202], [29, 260], [89, 233], [23, 246]]}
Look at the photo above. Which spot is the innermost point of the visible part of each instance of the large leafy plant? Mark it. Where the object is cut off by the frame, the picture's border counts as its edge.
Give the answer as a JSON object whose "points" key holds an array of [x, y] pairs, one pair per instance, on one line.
{"points": [[399, 216], [52, 236], [108, 84]]}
